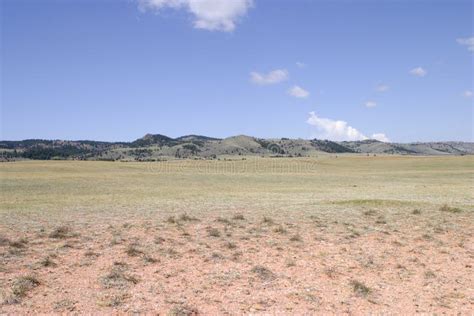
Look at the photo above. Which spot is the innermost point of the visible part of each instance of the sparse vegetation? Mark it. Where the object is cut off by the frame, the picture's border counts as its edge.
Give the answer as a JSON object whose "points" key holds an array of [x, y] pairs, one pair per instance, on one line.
{"points": [[183, 310], [223, 220], [60, 232], [20, 287], [430, 274], [293, 237], [268, 220], [65, 305], [118, 278], [4, 241], [449, 209], [280, 229], [360, 288], [214, 232], [186, 218], [171, 220], [230, 245], [20, 243], [113, 300], [263, 273], [370, 212], [47, 262], [238, 217], [133, 250], [331, 272], [159, 240]]}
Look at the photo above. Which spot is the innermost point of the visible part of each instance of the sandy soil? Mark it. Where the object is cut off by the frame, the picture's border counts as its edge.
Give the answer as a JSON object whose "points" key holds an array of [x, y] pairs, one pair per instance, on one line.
{"points": [[253, 265]]}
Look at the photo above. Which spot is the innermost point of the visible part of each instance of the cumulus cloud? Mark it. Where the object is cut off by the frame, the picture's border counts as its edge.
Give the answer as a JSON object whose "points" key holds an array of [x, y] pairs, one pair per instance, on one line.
{"points": [[468, 42], [382, 88], [272, 77], [380, 137], [418, 71], [213, 15], [339, 130], [298, 92], [334, 130], [467, 94], [370, 104]]}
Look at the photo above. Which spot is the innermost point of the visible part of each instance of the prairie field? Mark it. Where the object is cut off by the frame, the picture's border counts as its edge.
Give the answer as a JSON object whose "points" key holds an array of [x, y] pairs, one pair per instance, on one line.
{"points": [[329, 234]]}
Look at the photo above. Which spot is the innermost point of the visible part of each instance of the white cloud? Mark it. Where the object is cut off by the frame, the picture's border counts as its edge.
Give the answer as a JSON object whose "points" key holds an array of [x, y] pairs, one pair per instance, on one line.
{"points": [[272, 77], [334, 130], [300, 64], [213, 15], [382, 88], [380, 137], [370, 104], [469, 42], [339, 130], [418, 71], [298, 92], [467, 94]]}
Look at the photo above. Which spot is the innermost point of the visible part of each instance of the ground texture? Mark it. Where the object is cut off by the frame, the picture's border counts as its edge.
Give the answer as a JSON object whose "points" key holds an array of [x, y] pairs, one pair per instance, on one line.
{"points": [[268, 236]]}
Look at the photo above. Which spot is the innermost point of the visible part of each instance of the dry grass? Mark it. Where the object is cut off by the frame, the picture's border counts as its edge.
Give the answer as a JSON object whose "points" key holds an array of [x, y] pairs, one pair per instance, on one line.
{"points": [[20, 287], [263, 273], [118, 277], [360, 288], [449, 209], [61, 232], [334, 239]]}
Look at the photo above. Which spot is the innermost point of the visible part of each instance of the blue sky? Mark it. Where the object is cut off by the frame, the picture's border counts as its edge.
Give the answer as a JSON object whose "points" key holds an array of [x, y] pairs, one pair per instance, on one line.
{"points": [[116, 70]]}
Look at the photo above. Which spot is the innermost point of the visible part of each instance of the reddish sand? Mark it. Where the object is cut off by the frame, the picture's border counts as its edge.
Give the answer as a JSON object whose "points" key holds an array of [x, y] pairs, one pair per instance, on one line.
{"points": [[250, 268]]}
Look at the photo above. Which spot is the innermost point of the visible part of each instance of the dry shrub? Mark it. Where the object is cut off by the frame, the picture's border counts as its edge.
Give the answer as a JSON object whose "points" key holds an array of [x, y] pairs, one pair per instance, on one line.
{"points": [[61, 232]]}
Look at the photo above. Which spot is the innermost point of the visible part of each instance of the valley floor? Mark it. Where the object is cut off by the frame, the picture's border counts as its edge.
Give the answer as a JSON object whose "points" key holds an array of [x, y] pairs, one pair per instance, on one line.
{"points": [[351, 234]]}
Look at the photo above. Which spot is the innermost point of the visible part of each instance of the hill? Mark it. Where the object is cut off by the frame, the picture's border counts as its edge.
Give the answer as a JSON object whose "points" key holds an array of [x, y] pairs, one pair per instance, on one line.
{"points": [[152, 147]]}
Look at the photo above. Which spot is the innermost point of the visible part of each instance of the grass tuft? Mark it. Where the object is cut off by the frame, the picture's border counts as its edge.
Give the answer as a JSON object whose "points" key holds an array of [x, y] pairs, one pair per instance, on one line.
{"points": [[268, 220], [20, 287], [296, 237], [238, 217], [214, 232], [449, 209], [4, 241], [19, 244], [280, 229], [230, 245], [360, 288], [47, 262], [118, 278], [263, 273], [133, 250], [183, 310], [186, 218], [60, 232], [223, 220], [171, 220]]}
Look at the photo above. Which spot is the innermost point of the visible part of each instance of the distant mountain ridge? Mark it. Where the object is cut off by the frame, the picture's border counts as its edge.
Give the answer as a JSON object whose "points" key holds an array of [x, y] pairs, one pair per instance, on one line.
{"points": [[160, 147]]}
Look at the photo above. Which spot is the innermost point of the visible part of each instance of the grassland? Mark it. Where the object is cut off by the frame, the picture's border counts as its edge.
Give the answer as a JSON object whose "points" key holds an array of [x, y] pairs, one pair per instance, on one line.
{"points": [[330, 234]]}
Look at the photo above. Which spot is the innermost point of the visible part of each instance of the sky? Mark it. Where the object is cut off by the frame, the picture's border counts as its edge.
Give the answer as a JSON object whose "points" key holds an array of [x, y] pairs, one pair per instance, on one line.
{"points": [[397, 70]]}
